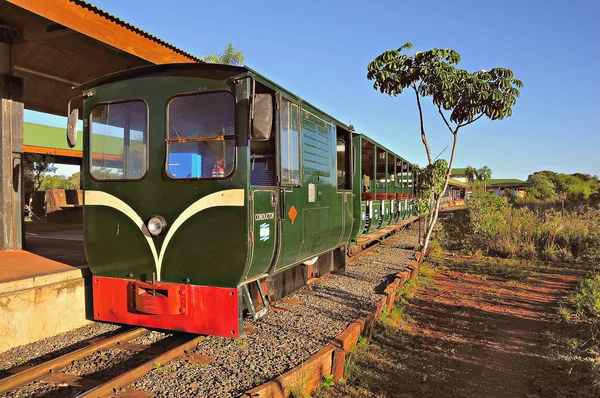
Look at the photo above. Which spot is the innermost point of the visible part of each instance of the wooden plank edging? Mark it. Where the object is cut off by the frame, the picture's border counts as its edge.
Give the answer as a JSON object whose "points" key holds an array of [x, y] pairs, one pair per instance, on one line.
{"points": [[330, 359]]}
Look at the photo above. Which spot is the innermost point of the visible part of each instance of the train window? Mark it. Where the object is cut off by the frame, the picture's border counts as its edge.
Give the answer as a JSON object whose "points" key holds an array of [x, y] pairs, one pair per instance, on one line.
{"points": [[391, 171], [398, 173], [200, 136], [118, 140], [341, 163], [289, 143], [381, 176]]}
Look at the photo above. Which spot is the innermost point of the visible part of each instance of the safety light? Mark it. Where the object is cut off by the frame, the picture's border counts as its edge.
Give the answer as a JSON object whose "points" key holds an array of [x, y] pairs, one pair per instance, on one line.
{"points": [[157, 225]]}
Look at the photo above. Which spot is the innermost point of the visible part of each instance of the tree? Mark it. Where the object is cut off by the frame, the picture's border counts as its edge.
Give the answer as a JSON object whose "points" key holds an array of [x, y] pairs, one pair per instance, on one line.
{"points": [[471, 173], [35, 168], [59, 182], [461, 97], [484, 174], [540, 186], [231, 56]]}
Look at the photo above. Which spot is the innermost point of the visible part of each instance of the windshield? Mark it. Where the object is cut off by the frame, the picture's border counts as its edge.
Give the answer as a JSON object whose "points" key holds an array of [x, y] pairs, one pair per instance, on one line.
{"points": [[118, 140], [200, 137]]}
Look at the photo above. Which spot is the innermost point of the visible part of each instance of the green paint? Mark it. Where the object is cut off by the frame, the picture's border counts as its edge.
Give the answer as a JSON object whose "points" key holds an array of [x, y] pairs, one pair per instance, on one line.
{"points": [[225, 245]]}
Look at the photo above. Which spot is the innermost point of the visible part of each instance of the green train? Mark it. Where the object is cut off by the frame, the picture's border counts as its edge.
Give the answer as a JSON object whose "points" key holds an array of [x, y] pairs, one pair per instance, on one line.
{"points": [[208, 188]]}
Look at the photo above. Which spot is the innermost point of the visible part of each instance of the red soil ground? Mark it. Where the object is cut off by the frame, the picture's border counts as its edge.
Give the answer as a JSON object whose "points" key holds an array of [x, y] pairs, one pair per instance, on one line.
{"points": [[468, 335]]}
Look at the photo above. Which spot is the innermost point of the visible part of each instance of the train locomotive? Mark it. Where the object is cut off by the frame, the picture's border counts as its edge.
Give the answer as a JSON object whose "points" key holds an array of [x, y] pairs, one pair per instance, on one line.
{"points": [[208, 188]]}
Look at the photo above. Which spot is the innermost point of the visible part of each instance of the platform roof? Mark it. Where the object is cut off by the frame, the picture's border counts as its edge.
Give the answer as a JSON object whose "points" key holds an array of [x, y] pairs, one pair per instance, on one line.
{"points": [[58, 44]]}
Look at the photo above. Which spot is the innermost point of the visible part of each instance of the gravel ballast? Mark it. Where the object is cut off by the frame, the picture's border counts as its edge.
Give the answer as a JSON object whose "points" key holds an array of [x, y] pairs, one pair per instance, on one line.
{"points": [[283, 338]]}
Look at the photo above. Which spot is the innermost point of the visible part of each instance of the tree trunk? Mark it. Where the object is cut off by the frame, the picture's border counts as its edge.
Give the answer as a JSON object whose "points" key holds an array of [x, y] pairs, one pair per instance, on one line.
{"points": [[437, 202]]}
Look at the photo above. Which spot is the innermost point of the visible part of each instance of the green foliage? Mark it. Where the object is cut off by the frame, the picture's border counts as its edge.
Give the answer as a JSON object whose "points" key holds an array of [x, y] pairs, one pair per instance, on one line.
{"points": [[391, 321], [433, 73], [362, 342], [59, 182], [435, 251], [494, 226], [486, 211], [540, 187], [484, 174], [587, 297], [430, 184], [471, 173], [230, 56], [574, 188], [461, 98], [510, 196], [35, 168], [327, 382]]}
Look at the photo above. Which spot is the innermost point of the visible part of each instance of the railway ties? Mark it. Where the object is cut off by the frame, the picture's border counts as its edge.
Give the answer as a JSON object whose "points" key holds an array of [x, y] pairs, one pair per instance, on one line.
{"points": [[49, 371]]}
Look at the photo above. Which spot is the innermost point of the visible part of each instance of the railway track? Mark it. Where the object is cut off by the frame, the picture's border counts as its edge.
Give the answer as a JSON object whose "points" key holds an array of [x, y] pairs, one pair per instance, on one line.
{"points": [[50, 371], [118, 386]]}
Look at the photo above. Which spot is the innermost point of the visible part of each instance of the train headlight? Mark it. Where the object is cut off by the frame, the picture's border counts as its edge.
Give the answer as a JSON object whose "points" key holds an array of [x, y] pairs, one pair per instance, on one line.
{"points": [[157, 226]]}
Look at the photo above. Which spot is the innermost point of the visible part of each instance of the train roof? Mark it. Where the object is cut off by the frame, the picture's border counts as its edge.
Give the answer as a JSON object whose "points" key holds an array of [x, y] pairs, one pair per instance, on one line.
{"points": [[227, 70]]}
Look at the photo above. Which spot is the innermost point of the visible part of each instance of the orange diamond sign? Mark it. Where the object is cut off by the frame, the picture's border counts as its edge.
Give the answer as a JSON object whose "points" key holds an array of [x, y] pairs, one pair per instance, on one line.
{"points": [[292, 213]]}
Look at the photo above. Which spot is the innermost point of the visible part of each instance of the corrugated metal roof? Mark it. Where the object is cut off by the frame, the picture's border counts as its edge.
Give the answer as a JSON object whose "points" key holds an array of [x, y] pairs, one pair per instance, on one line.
{"points": [[117, 20]]}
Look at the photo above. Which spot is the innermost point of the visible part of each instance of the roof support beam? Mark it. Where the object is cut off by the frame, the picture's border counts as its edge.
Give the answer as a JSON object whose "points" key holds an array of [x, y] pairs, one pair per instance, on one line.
{"points": [[45, 75]]}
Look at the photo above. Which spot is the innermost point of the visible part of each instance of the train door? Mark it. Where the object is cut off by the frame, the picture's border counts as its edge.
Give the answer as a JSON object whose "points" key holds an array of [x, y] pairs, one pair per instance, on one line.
{"points": [[344, 181], [264, 226], [291, 193], [263, 229]]}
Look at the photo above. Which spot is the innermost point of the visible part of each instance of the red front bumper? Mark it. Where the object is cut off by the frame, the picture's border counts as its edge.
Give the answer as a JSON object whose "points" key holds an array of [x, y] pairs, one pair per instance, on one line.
{"points": [[195, 309]]}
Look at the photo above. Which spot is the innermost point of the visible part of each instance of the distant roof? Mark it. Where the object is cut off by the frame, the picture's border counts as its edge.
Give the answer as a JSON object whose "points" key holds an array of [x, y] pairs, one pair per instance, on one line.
{"points": [[457, 183], [458, 171], [506, 182]]}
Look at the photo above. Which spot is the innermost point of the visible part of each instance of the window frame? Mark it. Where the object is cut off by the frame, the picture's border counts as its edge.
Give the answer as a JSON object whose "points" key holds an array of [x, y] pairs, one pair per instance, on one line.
{"points": [[281, 98], [90, 140], [234, 136]]}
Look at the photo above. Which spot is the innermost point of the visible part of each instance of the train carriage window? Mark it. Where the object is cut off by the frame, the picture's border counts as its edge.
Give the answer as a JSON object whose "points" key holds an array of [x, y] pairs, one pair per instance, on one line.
{"points": [[289, 143], [391, 172], [118, 140], [200, 136], [381, 176]]}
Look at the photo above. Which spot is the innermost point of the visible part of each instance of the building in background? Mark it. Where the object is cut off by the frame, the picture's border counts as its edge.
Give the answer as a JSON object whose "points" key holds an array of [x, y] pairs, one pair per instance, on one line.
{"points": [[495, 185]]}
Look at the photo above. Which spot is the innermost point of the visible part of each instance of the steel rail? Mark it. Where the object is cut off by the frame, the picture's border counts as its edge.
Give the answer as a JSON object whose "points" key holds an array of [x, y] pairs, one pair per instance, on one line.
{"points": [[123, 380], [24, 377]]}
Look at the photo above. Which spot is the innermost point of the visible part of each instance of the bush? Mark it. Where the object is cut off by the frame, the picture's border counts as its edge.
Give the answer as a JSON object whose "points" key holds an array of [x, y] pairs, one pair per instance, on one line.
{"points": [[587, 297], [495, 227]]}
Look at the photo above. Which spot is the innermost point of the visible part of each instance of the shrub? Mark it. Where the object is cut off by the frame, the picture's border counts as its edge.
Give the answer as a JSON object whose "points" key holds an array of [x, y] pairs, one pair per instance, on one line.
{"points": [[494, 227], [587, 297]]}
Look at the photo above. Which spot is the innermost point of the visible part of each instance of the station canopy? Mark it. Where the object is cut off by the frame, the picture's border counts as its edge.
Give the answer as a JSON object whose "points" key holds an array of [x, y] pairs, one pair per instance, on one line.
{"points": [[59, 44]]}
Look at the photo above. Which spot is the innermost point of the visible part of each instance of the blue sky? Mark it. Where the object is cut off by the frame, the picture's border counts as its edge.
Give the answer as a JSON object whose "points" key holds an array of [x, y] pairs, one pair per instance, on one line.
{"points": [[319, 50]]}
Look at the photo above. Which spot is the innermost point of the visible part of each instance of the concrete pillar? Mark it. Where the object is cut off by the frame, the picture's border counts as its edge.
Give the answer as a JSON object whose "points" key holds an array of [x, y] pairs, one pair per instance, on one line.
{"points": [[11, 150]]}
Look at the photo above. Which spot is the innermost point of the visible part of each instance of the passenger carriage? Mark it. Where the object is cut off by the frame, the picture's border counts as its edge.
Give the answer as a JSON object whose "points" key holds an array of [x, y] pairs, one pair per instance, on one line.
{"points": [[207, 187]]}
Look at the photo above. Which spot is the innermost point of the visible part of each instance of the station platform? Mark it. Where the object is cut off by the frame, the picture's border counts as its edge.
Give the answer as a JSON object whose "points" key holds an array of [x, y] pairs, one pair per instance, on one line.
{"points": [[39, 298]]}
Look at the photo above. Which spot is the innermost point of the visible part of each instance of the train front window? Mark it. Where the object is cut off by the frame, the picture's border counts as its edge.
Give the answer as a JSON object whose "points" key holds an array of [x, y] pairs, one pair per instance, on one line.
{"points": [[200, 136], [118, 140]]}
